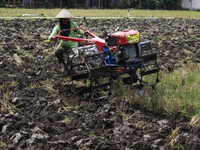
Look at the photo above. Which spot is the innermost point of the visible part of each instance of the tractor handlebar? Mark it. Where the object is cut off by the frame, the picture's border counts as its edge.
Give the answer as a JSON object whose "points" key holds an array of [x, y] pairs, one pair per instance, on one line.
{"points": [[64, 30], [86, 32]]}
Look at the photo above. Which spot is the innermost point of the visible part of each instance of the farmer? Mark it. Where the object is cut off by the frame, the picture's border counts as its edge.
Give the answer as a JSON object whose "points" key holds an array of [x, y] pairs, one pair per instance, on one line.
{"points": [[65, 46]]}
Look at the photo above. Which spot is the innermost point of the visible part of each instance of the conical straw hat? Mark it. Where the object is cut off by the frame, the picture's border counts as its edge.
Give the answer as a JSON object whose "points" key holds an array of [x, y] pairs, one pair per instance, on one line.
{"points": [[64, 14]]}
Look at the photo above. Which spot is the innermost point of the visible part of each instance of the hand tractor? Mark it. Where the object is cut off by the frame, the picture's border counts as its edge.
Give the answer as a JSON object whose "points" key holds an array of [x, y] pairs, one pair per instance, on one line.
{"points": [[99, 62]]}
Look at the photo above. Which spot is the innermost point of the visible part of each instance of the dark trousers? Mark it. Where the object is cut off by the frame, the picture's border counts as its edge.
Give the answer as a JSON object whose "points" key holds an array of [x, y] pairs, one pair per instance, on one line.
{"points": [[59, 54]]}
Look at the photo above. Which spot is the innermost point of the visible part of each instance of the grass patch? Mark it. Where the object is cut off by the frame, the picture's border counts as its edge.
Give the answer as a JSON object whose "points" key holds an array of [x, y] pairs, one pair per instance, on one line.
{"points": [[195, 121], [6, 106], [2, 144], [48, 86], [13, 12], [66, 120], [178, 92]]}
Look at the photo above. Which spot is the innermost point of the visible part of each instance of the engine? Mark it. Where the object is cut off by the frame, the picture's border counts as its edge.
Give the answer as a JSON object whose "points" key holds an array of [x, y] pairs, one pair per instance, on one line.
{"points": [[128, 53], [126, 45]]}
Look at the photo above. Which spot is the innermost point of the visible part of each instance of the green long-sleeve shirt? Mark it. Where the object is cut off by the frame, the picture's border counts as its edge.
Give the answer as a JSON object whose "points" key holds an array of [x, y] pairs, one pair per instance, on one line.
{"points": [[72, 34]]}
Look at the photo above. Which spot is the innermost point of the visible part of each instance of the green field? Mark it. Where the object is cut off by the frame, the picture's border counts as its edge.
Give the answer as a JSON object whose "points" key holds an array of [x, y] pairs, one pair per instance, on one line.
{"points": [[18, 12]]}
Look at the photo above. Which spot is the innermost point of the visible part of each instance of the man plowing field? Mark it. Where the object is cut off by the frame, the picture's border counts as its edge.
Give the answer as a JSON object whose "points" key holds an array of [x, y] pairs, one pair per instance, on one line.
{"points": [[93, 67], [64, 46]]}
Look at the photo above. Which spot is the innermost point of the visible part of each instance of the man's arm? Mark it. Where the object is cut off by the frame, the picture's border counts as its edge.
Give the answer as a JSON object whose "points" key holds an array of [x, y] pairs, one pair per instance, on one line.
{"points": [[54, 32], [79, 31]]}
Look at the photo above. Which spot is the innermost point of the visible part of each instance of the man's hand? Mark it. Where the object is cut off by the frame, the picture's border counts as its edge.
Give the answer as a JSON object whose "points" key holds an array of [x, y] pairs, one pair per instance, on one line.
{"points": [[86, 34], [53, 38]]}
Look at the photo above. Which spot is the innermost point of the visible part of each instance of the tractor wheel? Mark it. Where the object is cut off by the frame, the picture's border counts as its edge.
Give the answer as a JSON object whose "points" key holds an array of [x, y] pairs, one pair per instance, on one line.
{"points": [[100, 88], [79, 75]]}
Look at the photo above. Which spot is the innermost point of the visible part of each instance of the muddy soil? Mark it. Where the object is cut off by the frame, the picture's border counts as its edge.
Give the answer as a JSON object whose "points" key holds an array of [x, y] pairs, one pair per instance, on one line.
{"points": [[39, 111]]}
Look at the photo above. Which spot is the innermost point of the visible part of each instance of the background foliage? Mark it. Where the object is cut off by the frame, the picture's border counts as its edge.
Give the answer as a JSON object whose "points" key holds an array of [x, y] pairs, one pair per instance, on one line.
{"points": [[112, 4], [152, 4], [2, 3]]}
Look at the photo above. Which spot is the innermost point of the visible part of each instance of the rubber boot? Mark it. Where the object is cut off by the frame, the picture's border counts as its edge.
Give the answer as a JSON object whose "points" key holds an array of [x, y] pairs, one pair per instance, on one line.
{"points": [[66, 69]]}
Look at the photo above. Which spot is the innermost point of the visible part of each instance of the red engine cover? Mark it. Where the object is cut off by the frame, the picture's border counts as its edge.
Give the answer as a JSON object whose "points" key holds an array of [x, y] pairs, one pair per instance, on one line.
{"points": [[126, 37]]}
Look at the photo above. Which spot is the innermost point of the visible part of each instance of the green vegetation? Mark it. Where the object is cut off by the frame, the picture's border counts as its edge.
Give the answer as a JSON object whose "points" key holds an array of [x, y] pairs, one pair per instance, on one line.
{"points": [[66, 120], [2, 144], [18, 12], [177, 93], [180, 90], [139, 4], [6, 106]]}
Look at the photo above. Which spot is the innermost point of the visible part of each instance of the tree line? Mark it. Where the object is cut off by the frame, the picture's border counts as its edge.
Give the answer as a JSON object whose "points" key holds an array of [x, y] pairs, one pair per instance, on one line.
{"points": [[120, 4], [152, 4]]}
